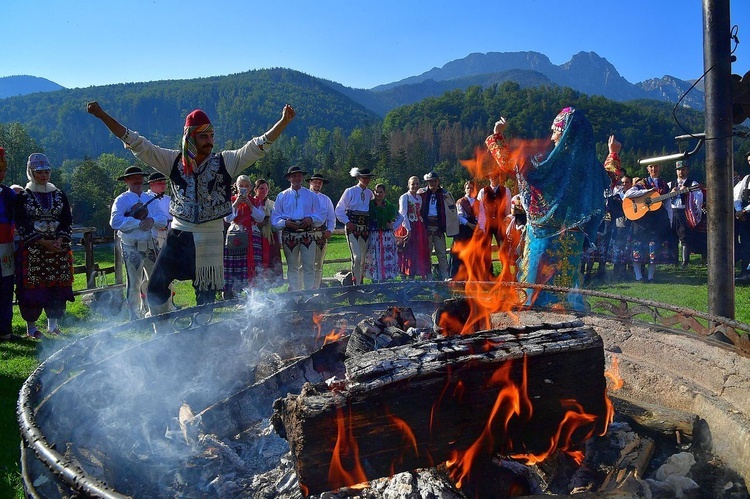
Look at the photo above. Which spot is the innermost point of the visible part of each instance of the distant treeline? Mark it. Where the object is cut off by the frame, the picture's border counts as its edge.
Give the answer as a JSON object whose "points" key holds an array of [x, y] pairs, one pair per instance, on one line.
{"points": [[331, 133]]}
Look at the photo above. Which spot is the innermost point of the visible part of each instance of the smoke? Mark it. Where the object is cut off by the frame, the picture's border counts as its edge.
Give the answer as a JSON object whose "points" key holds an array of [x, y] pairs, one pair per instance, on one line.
{"points": [[111, 399]]}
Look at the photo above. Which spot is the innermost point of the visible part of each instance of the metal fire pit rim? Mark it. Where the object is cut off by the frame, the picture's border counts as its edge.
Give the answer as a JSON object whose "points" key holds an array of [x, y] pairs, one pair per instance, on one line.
{"points": [[79, 480]]}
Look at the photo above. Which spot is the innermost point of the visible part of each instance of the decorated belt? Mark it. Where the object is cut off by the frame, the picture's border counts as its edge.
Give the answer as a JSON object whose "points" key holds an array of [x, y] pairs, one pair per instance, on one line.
{"points": [[358, 217]]}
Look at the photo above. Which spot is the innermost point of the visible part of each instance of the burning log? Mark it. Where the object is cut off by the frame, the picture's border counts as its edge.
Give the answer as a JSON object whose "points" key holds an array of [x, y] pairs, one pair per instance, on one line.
{"points": [[523, 393]]}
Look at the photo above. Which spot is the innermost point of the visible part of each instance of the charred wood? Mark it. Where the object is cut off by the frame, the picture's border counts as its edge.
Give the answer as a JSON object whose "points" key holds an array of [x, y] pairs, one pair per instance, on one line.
{"points": [[415, 406]]}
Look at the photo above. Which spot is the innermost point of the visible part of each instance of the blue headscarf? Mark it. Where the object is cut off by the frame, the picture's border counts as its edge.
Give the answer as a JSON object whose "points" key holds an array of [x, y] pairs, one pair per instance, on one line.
{"points": [[566, 190]]}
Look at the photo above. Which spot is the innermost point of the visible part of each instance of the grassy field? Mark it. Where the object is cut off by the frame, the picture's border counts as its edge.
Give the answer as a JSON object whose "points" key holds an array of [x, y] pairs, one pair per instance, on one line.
{"points": [[684, 287]]}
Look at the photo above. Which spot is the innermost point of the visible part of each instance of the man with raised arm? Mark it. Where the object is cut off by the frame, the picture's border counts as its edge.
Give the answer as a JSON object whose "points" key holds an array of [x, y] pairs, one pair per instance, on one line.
{"points": [[201, 182]]}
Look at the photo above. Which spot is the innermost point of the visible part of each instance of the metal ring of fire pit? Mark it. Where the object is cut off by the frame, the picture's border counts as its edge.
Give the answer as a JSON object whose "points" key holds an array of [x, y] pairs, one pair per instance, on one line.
{"points": [[73, 477]]}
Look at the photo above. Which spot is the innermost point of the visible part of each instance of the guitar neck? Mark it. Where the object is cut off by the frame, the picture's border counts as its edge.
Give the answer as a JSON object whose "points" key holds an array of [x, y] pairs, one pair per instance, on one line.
{"points": [[674, 194]]}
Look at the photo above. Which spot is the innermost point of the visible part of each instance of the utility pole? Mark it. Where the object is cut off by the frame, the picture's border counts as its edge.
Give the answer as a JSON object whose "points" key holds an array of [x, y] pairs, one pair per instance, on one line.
{"points": [[719, 168]]}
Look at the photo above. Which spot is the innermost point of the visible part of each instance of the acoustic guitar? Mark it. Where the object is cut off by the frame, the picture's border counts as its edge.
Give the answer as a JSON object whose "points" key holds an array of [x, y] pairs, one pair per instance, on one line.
{"points": [[635, 208]]}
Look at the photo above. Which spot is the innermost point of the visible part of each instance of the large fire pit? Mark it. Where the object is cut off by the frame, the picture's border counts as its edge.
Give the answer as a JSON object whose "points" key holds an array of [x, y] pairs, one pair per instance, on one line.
{"points": [[101, 417]]}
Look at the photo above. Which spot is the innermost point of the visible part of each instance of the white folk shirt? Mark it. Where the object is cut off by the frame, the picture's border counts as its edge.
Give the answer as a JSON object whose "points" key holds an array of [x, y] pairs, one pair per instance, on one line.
{"points": [[163, 205], [128, 228], [296, 205], [330, 213], [354, 198]]}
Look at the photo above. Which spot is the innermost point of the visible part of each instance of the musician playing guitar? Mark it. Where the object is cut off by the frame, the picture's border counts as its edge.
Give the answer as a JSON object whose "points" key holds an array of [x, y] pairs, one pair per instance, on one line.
{"points": [[651, 230], [133, 216]]}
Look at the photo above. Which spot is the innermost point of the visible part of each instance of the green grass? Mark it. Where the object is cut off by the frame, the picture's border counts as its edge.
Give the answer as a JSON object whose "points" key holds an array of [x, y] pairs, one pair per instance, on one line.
{"points": [[684, 287]]}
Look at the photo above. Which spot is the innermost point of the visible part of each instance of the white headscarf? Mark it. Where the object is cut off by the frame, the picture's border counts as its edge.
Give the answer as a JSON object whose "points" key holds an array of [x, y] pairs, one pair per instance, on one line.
{"points": [[38, 161]]}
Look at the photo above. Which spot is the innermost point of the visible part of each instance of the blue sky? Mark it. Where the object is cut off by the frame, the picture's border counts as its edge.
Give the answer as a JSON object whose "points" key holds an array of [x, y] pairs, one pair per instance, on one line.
{"points": [[80, 43]]}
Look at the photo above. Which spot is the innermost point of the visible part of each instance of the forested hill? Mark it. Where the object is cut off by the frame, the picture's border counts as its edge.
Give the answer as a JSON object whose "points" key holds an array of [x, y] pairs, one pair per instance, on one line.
{"points": [[240, 106]]}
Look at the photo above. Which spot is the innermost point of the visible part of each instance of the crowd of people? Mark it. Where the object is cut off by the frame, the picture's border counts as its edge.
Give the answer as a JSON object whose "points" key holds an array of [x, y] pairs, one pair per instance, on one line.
{"points": [[224, 233]]}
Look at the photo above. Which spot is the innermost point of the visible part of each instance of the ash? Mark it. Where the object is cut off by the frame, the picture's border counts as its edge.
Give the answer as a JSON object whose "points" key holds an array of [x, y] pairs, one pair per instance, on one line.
{"points": [[258, 464]]}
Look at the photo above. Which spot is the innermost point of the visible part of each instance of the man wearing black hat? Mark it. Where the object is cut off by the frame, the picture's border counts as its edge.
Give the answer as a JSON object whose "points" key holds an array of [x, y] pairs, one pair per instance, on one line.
{"points": [[441, 217], [322, 231], [687, 213], [353, 210], [201, 182], [296, 212], [157, 187], [133, 216]]}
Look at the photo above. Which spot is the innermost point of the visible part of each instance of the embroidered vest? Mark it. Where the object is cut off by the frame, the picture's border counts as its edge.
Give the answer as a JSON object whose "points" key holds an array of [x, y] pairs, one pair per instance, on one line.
{"points": [[471, 212], [493, 206], [204, 196]]}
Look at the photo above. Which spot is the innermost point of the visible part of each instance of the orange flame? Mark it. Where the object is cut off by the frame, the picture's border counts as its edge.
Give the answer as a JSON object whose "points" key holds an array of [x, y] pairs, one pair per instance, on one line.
{"points": [[333, 336], [514, 400], [575, 418], [488, 292], [614, 374], [346, 449], [405, 430], [317, 319]]}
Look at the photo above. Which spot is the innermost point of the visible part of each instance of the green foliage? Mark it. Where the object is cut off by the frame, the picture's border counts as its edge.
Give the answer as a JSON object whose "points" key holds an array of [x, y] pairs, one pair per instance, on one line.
{"points": [[18, 146], [331, 133]]}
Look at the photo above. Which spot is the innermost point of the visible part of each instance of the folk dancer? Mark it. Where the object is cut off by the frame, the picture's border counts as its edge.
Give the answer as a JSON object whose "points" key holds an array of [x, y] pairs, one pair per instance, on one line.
{"points": [[134, 221], [559, 208], [440, 213], [201, 182], [7, 265], [322, 231], [494, 207], [687, 212], [295, 213], [353, 210]]}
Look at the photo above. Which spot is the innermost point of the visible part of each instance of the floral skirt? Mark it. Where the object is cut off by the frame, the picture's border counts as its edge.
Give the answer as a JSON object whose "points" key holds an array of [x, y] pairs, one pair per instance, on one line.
{"points": [[414, 255], [381, 261]]}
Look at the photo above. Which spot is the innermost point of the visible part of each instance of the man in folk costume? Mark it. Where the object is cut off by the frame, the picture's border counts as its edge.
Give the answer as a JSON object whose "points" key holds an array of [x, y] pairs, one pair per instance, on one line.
{"points": [[441, 217], [201, 182], [157, 187], [494, 207], [134, 222], [7, 265], [686, 213], [353, 210], [324, 230], [741, 196], [652, 232], [296, 212]]}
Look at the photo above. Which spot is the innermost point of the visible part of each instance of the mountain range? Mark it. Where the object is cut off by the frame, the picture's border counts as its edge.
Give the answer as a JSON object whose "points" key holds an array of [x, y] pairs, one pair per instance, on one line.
{"points": [[586, 72]]}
